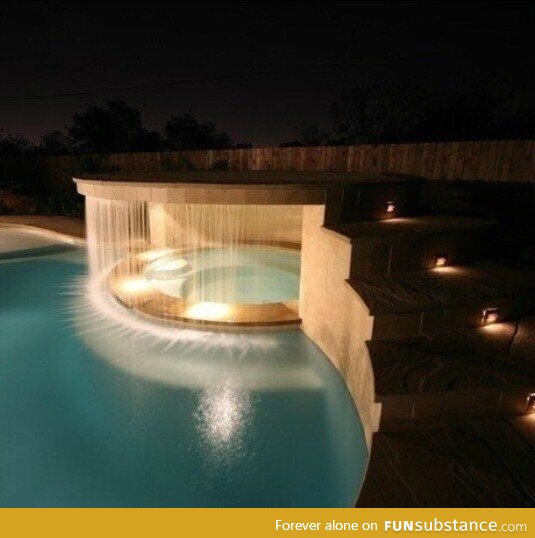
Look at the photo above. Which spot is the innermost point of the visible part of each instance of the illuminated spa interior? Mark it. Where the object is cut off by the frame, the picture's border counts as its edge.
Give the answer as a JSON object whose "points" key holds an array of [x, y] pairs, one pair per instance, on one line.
{"points": [[234, 264]]}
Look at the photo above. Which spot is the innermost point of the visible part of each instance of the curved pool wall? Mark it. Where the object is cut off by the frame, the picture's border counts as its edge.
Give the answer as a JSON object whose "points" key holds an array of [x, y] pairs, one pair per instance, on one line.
{"points": [[332, 314], [100, 412]]}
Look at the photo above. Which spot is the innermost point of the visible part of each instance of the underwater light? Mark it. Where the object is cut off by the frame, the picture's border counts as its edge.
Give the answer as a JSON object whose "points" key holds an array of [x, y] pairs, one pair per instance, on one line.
{"points": [[390, 207], [151, 255], [135, 285], [173, 265], [491, 315], [168, 268], [209, 311], [441, 260]]}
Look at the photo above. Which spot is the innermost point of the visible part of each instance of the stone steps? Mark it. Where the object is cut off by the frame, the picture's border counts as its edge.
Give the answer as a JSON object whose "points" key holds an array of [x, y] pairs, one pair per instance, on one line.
{"points": [[431, 380], [454, 390], [414, 243], [445, 299], [368, 200], [479, 464]]}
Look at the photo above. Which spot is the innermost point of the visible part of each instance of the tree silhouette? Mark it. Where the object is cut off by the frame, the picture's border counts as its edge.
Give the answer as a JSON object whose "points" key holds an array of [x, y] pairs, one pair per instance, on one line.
{"points": [[378, 115], [373, 115], [186, 133], [54, 143], [12, 145], [115, 128]]}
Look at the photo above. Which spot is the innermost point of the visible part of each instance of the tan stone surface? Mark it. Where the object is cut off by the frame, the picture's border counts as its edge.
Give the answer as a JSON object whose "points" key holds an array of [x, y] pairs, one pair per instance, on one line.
{"points": [[250, 177], [58, 224], [204, 194], [333, 315]]}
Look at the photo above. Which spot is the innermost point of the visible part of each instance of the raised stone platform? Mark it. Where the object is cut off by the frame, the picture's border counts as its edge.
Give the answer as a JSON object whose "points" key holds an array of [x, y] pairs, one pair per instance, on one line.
{"points": [[431, 380], [229, 187], [449, 298], [499, 356], [408, 228], [444, 288], [413, 243], [247, 178]]}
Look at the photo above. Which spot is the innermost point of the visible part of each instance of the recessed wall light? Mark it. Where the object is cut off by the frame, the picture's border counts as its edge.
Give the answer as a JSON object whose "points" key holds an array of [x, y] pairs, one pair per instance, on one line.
{"points": [[531, 403], [441, 260], [491, 315], [390, 207]]}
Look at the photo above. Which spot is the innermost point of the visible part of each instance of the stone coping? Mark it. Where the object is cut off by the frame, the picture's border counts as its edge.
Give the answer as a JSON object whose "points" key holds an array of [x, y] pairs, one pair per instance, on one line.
{"points": [[212, 187], [249, 178], [65, 229]]}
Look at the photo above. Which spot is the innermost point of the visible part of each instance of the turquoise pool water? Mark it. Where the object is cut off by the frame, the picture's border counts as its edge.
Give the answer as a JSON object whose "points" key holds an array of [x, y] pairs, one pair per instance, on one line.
{"points": [[96, 414]]}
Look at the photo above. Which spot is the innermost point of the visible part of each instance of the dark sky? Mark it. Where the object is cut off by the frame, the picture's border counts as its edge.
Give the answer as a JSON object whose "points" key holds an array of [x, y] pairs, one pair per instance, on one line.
{"points": [[313, 52]]}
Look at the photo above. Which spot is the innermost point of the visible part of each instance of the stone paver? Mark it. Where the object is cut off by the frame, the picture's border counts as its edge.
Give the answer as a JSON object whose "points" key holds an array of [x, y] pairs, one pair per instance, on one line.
{"points": [[449, 287], [479, 464], [409, 228], [458, 360]]}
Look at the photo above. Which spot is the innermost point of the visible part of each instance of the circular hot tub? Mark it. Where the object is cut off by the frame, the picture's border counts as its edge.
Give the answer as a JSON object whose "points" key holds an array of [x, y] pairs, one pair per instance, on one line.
{"points": [[244, 285], [247, 275]]}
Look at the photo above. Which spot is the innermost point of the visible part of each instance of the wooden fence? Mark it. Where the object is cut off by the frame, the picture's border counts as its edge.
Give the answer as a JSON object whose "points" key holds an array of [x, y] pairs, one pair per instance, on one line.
{"points": [[494, 160]]}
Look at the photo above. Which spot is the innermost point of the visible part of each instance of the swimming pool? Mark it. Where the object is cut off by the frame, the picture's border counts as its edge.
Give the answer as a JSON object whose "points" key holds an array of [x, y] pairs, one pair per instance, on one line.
{"points": [[97, 411]]}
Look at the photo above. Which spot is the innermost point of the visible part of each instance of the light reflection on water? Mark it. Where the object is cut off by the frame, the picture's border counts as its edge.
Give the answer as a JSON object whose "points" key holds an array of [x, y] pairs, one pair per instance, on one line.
{"points": [[222, 419], [148, 349]]}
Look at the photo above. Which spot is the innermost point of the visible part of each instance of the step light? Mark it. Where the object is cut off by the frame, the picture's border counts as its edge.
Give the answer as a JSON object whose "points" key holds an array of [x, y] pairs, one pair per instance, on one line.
{"points": [[390, 207], [441, 260], [491, 315]]}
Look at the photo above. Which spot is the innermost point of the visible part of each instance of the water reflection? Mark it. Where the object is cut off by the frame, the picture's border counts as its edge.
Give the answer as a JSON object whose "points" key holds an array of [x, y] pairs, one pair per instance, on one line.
{"points": [[222, 420]]}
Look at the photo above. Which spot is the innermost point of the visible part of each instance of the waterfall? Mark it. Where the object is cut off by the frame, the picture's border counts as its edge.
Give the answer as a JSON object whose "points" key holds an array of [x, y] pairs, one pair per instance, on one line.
{"points": [[166, 258]]}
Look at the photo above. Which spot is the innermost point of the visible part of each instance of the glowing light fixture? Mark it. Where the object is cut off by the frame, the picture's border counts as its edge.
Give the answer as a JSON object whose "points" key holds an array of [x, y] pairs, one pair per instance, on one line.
{"points": [[168, 268], [150, 255], [135, 285], [491, 315], [441, 260], [390, 207], [531, 403], [173, 265], [209, 311]]}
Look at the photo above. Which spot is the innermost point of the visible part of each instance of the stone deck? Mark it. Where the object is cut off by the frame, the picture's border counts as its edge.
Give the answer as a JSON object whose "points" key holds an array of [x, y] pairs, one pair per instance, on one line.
{"points": [[478, 464], [445, 287], [408, 228], [54, 223], [499, 356]]}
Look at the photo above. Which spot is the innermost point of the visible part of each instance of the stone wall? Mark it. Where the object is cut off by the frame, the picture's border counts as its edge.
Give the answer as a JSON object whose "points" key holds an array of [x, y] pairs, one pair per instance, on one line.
{"points": [[333, 315], [173, 225]]}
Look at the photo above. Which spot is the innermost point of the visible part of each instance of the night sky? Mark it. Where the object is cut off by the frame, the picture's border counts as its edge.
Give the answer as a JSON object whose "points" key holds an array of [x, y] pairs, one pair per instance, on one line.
{"points": [[307, 53]]}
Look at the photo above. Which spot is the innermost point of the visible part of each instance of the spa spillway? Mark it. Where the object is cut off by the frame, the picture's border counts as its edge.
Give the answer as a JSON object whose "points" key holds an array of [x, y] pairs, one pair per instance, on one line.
{"points": [[220, 248]]}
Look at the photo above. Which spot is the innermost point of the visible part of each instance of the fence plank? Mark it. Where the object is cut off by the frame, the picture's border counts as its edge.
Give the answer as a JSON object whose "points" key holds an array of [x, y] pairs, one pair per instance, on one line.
{"points": [[489, 160]]}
